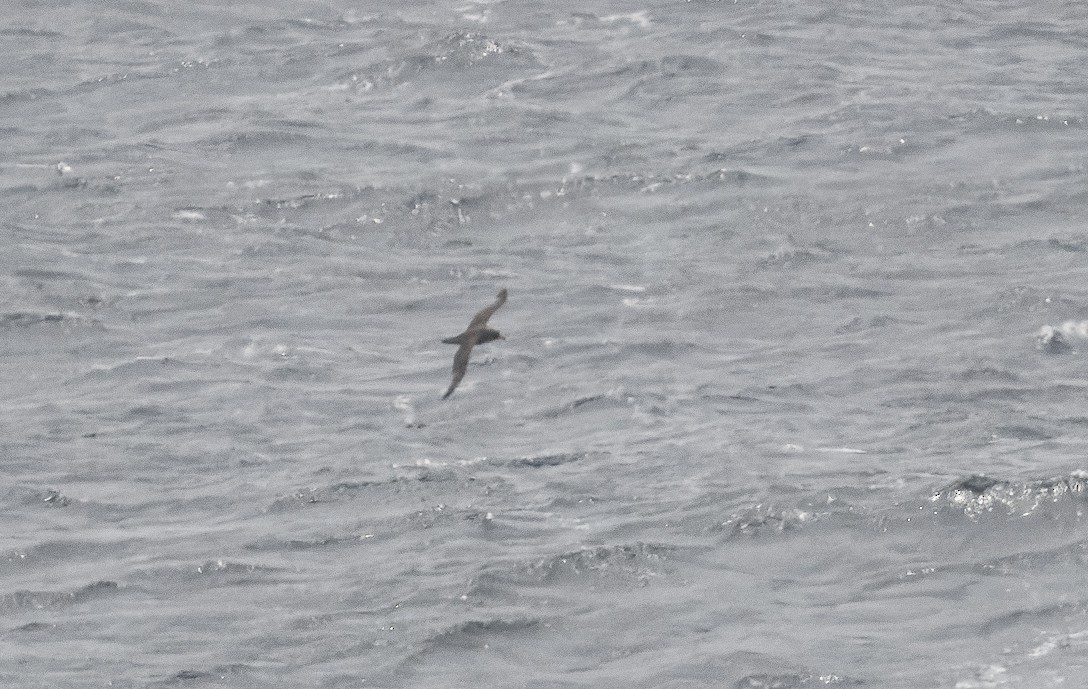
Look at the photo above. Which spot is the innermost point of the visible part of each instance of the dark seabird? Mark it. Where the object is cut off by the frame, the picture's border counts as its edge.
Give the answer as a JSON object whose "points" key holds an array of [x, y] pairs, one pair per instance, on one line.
{"points": [[476, 333]]}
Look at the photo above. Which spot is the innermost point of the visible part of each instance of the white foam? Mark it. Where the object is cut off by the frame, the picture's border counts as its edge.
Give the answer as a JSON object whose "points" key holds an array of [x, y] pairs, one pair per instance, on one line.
{"points": [[640, 18], [1077, 329]]}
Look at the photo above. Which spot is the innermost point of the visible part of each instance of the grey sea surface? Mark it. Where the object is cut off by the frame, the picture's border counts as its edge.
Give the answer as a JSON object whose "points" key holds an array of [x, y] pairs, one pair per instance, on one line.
{"points": [[793, 392]]}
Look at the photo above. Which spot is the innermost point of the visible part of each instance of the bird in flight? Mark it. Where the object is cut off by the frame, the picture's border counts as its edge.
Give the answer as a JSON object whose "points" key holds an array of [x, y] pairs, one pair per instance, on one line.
{"points": [[476, 333]]}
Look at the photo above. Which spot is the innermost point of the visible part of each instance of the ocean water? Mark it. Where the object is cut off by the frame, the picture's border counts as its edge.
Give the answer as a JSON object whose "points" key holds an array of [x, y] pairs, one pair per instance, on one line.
{"points": [[793, 386]]}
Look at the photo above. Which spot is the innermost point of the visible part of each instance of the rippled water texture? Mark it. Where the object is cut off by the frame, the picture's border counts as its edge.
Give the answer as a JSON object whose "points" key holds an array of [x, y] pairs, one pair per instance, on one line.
{"points": [[792, 392]]}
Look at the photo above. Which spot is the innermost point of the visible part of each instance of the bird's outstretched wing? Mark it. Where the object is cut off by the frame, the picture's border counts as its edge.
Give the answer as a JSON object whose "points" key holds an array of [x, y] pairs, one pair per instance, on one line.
{"points": [[480, 319], [460, 364]]}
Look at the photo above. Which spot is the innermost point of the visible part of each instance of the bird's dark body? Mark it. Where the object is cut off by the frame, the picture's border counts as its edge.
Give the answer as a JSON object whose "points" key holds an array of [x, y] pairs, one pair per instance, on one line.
{"points": [[486, 335]]}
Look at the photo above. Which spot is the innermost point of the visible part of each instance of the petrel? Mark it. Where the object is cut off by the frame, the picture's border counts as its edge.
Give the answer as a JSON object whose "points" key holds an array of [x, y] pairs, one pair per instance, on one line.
{"points": [[476, 333]]}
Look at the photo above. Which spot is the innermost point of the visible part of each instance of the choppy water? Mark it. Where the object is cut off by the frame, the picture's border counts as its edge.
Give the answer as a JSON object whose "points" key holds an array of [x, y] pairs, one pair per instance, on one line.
{"points": [[787, 281]]}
